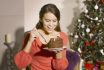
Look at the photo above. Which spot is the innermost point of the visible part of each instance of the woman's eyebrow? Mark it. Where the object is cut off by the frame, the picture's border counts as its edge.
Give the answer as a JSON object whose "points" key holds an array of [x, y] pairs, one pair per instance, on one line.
{"points": [[46, 19]]}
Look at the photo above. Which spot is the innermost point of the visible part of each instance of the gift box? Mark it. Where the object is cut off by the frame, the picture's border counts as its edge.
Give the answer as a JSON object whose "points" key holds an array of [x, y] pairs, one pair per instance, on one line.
{"points": [[101, 64], [88, 65]]}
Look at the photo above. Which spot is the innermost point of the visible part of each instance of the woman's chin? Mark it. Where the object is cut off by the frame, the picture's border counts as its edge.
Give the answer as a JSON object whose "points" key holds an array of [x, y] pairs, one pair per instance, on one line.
{"points": [[49, 31]]}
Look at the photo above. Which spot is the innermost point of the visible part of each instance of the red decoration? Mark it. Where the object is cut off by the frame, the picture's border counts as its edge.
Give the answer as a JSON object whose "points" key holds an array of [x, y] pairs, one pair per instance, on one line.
{"points": [[88, 66], [92, 42], [101, 63], [102, 1], [96, 67], [87, 43]]}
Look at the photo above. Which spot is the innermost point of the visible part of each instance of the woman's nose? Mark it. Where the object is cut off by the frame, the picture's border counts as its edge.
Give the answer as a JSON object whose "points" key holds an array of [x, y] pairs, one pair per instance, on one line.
{"points": [[51, 23]]}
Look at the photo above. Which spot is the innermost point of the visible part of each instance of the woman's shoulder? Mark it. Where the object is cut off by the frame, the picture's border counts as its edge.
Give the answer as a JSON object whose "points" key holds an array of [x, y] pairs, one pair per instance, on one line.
{"points": [[63, 34]]}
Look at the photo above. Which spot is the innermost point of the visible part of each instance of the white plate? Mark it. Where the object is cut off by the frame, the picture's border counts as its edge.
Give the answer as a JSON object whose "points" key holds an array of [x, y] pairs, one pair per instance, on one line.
{"points": [[57, 49], [54, 49]]}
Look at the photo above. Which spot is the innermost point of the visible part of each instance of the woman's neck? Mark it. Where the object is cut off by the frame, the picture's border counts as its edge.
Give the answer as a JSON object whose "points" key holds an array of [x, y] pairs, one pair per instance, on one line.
{"points": [[47, 37]]}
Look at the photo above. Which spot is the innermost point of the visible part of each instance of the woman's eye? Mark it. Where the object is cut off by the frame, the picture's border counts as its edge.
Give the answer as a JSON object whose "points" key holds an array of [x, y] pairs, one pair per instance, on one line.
{"points": [[47, 20], [54, 21]]}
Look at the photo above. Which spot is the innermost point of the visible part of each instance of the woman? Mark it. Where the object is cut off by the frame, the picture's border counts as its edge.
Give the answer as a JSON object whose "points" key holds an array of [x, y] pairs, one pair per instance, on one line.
{"points": [[38, 44]]}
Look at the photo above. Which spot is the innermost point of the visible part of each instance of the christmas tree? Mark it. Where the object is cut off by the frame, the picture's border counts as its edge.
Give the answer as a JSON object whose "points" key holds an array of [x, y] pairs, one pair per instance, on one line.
{"points": [[88, 34]]}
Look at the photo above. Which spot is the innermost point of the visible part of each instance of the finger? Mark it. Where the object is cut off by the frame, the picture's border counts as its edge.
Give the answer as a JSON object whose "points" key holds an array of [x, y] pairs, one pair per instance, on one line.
{"points": [[58, 38], [35, 31], [52, 39], [57, 51], [32, 34]]}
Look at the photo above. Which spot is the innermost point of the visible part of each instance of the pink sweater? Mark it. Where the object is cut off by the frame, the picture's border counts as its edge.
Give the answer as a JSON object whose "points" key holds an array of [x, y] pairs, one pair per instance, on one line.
{"points": [[40, 59]]}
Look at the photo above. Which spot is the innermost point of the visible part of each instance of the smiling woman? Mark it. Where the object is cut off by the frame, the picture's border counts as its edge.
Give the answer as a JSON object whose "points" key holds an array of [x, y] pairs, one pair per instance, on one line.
{"points": [[50, 22], [46, 34]]}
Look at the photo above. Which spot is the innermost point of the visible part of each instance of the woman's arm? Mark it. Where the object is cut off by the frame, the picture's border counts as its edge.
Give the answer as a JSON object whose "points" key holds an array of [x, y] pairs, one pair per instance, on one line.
{"points": [[31, 36], [60, 62], [24, 56]]}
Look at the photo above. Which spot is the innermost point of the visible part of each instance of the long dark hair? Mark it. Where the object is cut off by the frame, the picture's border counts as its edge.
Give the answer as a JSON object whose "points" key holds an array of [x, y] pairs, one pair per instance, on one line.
{"points": [[49, 8]]}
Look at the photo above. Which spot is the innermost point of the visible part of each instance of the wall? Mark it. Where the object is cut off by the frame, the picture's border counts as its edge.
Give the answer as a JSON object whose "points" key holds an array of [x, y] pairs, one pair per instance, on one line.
{"points": [[11, 21]]}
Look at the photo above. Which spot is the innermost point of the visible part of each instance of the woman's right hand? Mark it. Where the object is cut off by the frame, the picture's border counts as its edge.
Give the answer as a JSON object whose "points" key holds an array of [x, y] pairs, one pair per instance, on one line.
{"points": [[33, 34]]}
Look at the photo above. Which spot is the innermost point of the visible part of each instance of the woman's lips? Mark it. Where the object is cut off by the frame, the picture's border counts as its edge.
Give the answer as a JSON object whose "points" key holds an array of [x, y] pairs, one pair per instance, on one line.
{"points": [[50, 28]]}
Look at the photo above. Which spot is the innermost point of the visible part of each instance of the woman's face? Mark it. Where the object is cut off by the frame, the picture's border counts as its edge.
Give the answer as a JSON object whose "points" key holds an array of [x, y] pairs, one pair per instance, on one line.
{"points": [[49, 22]]}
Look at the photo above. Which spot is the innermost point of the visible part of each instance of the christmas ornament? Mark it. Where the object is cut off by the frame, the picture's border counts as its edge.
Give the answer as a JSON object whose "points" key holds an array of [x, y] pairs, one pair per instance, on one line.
{"points": [[72, 42], [88, 30], [88, 66], [91, 35], [100, 20], [98, 24], [83, 26], [96, 18], [79, 50], [71, 34], [92, 43], [102, 51], [96, 7], [91, 21], [87, 43], [79, 20], [76, 36], [86, 11]]}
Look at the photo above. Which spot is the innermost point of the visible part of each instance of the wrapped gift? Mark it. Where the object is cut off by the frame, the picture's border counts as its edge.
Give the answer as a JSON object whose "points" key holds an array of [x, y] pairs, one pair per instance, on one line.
{"points": [[96, 67], [102, 66], [88, 65], [101, 63]]}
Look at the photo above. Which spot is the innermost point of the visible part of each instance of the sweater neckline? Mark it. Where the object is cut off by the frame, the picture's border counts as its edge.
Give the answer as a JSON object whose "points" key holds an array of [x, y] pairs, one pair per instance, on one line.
{"points": [[39, 41]]}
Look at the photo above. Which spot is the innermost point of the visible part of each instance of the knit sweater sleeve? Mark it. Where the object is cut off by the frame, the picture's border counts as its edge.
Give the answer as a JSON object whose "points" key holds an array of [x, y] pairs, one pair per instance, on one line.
{"points": [[61, 63], [23, 59]]}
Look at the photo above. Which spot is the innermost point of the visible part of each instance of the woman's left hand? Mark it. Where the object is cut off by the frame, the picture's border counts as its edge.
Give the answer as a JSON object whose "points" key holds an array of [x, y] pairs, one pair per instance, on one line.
{"points": [[59, 55], [57, 52]]}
